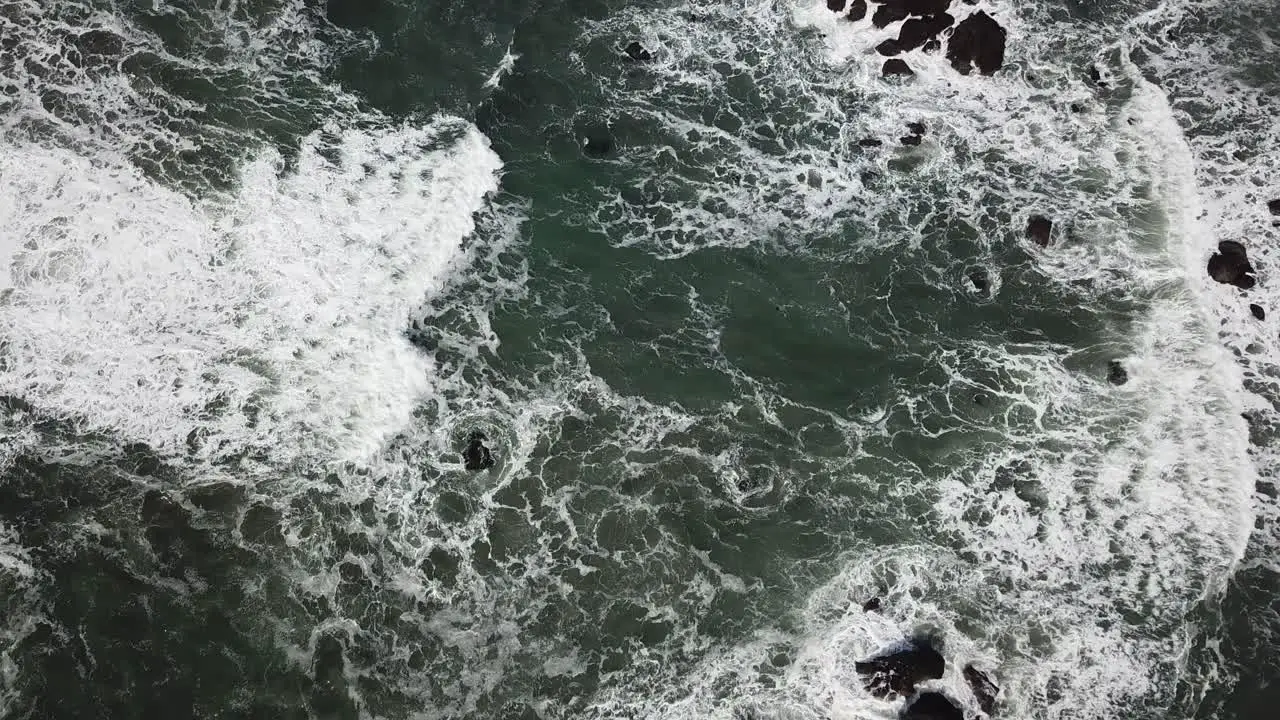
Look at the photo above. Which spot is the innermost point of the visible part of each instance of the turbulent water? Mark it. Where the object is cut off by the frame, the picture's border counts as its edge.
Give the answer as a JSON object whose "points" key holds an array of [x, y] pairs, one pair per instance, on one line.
{"points": [[266, 265]]}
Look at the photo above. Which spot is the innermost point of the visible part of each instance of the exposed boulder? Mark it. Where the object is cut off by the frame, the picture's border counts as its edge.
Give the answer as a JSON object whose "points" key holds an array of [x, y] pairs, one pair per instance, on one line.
{"points": [[637, 52], [1274, 206], [896, 66], [857, 10], [477, 455], [984, 688], [931, 706], [898, 670], [1230, 265], [977, 40], [918, 31], [835, 5], [1116, 374], [1258, 312], [1039, 229], [889, 47], [888, 14]]}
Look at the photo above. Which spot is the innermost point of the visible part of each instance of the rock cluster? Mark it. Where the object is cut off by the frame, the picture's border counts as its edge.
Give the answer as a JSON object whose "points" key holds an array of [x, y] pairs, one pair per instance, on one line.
{"points": [[896, 672], [976, 41]]}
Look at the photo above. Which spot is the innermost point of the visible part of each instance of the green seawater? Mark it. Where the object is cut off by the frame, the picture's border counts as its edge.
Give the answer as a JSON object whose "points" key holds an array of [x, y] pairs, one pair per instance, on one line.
{"points": [[742, 374]]}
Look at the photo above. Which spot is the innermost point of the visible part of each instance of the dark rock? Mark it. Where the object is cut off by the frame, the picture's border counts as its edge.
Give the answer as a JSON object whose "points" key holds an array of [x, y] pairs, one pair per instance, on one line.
{"points": [[1077, 108], [1116, 374], [896, 66], [1039, 229], [857, 10], [981, 279], [931, 706], [835, 5], [918, 31], [869, 142], [1274, 206], [889, 47], [1258, 312], [898, 671], [922, 7], [984, 689], [871, 605], [1230, 265], [917, 128], [477, 456], [977, 40], [933, 46], [888, 14], [636, 51], [597, 145]]}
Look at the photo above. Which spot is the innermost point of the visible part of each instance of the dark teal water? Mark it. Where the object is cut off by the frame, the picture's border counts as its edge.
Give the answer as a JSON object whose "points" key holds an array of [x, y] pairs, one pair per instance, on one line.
{"points": [[741, 371]]}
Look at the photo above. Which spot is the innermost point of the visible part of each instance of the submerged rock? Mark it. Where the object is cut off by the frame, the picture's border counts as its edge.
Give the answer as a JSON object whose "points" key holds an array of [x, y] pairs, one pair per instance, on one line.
{"points": [[477, 455], [1116, 374], [977, 40], [1230, 265], [931, 706], [1258, 312], [896, 66], [918, 31], [1039, 229], [597, 145], [984, 689], [857, 10], [869, 142], [899, 670], [871, 605], [981, 279], [636, 51]]}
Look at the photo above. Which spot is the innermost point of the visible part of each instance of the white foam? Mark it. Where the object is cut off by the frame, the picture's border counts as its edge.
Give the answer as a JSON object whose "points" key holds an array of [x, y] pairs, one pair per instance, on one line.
{"points": [[271, 318]]}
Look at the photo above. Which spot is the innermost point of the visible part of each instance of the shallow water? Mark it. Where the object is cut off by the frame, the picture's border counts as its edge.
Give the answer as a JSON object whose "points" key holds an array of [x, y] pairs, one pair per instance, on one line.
{"points": [[269, 264]]}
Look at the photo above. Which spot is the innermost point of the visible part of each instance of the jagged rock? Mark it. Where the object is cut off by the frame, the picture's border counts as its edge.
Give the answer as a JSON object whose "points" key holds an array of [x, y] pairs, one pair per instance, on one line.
{"points": [[636, 51], [931, 706], [477, 456], [1230, 265], [857, 10], [1116, 374], [1258, 312], [871, 605], [984, 689], [889, 47], [898, 671], [835, 5], [977, 40], [1039, 229], [918, 31], [896, 66]]}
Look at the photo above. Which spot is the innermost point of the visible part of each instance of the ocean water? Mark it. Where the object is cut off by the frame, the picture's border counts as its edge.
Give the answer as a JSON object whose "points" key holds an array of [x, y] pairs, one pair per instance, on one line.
{"points": [[266, 265]]}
